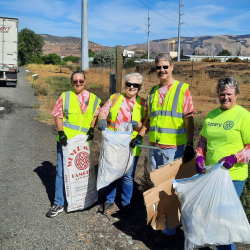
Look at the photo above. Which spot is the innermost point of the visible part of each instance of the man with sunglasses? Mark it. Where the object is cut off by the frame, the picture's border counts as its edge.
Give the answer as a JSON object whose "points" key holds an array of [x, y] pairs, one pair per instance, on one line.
{"points": [[76, 113], [120, 108], [169, 122]]}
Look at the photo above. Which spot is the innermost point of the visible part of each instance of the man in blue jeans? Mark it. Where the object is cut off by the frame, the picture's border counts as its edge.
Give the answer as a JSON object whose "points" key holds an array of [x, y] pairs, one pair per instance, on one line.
{"points": [[170, 124]]}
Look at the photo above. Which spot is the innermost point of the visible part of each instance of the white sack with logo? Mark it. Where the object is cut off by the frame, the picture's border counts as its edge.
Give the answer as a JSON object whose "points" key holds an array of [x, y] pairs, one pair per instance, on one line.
{"points": [[116, 156], [79, 174], [212, 213]]}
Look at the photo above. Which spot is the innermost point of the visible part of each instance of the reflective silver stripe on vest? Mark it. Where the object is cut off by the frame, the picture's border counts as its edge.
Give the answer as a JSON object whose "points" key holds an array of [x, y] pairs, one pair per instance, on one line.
{"points": [[150, 99], [84, 130], [66, 108], [111, 124], [168, 130], [114, 99], [173, 112], [68, 125], [95, 105]]}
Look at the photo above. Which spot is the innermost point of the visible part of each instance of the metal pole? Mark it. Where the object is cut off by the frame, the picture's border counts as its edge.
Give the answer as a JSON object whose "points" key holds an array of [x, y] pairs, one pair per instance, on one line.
{"points": [[119, 63], [179, 32], [192, 73], [85, 44], [148, 38]]}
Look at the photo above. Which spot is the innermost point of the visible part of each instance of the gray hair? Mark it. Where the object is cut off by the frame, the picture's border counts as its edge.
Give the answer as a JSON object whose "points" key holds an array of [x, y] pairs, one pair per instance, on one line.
{"points": [[137, 75], [226, 82], [163, 57], [77, 72]]}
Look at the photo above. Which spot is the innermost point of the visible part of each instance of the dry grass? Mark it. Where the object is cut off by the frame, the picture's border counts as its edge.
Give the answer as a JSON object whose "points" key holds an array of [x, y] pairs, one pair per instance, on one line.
{"points": [[202, 86]]}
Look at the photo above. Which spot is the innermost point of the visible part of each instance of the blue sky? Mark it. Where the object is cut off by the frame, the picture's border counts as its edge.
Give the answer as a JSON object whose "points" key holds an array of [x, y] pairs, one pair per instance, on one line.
{"points": [[119, 22]]}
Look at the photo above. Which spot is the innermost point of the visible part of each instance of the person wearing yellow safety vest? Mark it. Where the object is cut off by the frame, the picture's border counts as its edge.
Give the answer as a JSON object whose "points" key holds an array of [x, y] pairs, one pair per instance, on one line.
{"points": [[170, 124], [120, 108], [225, 137], [76, 113]]}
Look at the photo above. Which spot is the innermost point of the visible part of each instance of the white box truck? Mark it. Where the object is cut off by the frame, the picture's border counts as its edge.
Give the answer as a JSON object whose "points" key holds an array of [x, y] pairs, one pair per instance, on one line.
{"points": [[8, 50]]}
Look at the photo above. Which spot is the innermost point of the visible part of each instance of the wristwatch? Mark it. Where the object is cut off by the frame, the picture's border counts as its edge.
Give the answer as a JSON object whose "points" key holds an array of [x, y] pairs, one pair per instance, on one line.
{"points": [[191, 144]]}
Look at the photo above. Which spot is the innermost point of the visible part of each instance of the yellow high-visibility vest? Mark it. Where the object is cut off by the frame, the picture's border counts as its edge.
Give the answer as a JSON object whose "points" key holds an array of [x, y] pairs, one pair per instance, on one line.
{"points": [[138, 114], [74, 122], [167, 124]]}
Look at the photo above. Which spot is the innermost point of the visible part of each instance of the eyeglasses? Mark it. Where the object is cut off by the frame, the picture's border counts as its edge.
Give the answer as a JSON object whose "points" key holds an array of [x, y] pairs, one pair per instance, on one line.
{"points": [[76, 81], [136, 85], [164, 67]]}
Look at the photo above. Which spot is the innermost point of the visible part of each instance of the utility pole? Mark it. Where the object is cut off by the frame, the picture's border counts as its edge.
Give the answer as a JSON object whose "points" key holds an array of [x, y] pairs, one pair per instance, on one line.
{"points": [[85, 42], [239, 47], [119, 63], [179, 31], [148, 37]]}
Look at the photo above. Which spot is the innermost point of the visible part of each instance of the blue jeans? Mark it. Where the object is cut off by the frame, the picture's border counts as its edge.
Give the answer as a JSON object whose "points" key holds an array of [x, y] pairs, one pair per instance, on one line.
{"points": [[239, 185], [59, 186], [127, 186], [156, 159]]}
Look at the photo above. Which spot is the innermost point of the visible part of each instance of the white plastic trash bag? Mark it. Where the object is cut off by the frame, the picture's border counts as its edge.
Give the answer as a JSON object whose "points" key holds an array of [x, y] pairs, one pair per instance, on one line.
{"points": [[116, 156], [212, 213], [79, 174]]}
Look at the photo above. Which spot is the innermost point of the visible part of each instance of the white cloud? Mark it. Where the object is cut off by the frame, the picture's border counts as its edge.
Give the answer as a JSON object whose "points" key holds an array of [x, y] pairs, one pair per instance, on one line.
{"points": [[125, 22]]}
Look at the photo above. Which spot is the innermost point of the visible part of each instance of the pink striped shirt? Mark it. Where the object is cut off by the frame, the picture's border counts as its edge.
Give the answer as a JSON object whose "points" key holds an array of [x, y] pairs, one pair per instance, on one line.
{"points": [[125, 112], [83, 99]]}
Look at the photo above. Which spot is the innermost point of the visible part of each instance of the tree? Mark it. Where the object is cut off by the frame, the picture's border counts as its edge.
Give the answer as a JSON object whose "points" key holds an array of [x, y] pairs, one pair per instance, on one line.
{"points": [[73, 59], [130, 63], [29, 46], [145, 56], [182, 53], [91, 53], [52, 59], [224, 52], [104, 56]]}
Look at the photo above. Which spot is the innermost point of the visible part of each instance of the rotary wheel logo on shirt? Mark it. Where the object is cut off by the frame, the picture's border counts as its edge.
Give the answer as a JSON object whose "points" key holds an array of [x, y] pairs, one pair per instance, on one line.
{"points": [[80, 158], [228, 125]]}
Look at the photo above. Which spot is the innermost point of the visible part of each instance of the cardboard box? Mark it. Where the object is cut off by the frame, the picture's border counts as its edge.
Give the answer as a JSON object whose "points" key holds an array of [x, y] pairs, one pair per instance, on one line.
{"points": [[161, 201]]}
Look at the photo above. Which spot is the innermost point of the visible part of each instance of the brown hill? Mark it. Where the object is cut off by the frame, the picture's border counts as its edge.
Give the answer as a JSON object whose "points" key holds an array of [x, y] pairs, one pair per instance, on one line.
{"points": [[203, 45], [67, 46]]}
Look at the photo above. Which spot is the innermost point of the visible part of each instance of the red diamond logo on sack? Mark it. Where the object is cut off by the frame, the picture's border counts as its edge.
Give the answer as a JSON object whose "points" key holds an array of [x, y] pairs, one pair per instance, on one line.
{"points": [[82, 160]]}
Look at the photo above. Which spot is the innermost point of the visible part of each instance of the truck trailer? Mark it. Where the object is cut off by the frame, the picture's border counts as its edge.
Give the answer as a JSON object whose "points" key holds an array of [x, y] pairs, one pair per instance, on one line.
{"points": [[8, 50]]}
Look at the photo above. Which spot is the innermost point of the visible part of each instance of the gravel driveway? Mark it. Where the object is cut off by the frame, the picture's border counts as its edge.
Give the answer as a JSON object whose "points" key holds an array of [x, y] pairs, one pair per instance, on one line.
{"points": [[27, 175]]}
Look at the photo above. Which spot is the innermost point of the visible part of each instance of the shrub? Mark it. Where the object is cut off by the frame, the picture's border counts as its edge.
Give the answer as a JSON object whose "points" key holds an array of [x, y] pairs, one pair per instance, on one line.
{"points": [[73, 59], [130, 63], [52, 59], [236, 59], [198, 123]]}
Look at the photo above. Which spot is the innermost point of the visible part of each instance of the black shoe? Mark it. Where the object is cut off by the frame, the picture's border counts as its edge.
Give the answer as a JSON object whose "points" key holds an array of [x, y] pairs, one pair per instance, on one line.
{"points": [[164, 240], [105, 207], [54, 210], [126, 211]]}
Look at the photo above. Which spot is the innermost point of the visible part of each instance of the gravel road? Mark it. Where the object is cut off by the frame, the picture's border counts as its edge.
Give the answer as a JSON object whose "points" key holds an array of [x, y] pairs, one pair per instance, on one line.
{"points": [[27, 175]]}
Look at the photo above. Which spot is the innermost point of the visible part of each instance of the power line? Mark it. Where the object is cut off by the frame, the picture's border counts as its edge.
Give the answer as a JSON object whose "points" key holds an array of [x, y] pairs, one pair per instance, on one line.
{"points": [[157, 12], [170, 7], [192, 29], [186, 16], [195, 25]]}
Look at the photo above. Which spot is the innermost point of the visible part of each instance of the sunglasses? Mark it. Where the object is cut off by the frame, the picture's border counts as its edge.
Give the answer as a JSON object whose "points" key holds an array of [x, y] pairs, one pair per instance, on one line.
{"points": [[136, 85], [76, 81], [164, 67]]}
